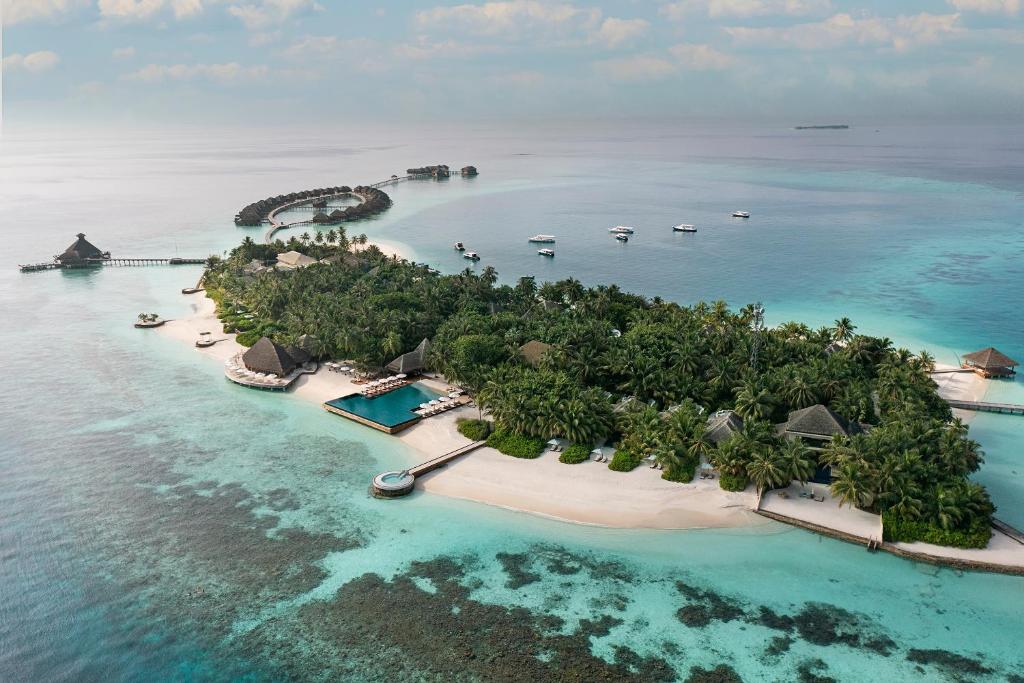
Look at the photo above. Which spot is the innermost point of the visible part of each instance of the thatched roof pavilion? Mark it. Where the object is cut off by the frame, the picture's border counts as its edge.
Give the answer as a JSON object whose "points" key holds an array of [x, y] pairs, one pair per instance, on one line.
{"points": [[469, 171], [414, 361], [80, 250], [816, 426], [990, 362], [321, 217], [533, 351], [722, 425], [266, 356]]}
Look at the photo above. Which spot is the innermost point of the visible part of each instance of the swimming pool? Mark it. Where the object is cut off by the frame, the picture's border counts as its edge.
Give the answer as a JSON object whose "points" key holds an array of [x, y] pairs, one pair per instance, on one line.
{"points": [[390, 412]]}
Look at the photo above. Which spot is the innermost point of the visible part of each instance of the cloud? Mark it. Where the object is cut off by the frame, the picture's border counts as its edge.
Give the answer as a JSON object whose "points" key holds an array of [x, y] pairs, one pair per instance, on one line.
{"points": [[700, 57], [511, 19], [33, 62], [900, 33], [614, 32], [1008, 7], [139, 10], [220, 73], [17, 11], [260, 15], [123, 52], [743, 9], [637, 68]]}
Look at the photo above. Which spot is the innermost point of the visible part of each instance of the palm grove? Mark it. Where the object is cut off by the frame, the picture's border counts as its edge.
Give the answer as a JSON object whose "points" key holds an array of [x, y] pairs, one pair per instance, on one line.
{"points": [[642, 374]]}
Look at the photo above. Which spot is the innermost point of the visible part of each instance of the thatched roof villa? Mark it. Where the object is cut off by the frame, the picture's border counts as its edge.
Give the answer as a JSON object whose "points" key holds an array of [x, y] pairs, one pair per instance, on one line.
{"points": [[533, 352], [414, 361], [722, 425], [81, 250], [292, 260], [990, 362], [816, 426], [269, 357]]}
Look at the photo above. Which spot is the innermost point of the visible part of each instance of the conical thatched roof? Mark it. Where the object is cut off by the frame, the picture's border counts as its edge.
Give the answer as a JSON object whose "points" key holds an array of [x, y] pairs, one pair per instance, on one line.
{"points": [[721, 425], [266, 356], [989, 358], [533, 351], [818, 420], [81, 249], [413, 361]]}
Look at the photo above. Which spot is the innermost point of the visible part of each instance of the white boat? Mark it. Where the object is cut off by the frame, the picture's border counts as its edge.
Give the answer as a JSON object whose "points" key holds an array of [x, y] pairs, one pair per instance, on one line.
{"points": [[459, 246], [622, 238], [544, 239], [546, 252], [741, 214], [622, 230], [471, 255], [684, 227]]}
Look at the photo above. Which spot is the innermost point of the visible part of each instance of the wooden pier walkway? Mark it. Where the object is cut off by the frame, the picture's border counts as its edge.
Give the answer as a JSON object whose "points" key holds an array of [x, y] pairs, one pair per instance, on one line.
{"points": [[90, 263], [982, 406], [442, 460]]}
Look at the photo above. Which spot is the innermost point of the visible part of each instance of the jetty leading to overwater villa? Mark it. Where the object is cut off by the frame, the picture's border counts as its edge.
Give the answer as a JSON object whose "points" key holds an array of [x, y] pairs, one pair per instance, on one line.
{"points": [[84, 254]]}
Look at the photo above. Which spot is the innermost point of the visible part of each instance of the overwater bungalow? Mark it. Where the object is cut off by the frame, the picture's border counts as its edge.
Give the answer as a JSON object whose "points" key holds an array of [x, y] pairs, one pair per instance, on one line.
{"points": [[469, 171], [414, 361], [336, 216], [80, 252], [990, 362], [321, 217]]}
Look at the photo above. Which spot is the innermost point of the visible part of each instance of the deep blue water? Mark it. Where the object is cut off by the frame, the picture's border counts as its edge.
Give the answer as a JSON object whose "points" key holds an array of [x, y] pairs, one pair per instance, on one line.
{"points": [[160, 523]]}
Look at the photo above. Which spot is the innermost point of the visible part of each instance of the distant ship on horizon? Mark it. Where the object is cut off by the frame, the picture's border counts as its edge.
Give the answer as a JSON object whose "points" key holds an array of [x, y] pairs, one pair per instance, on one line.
{"points": [[834, 126]]}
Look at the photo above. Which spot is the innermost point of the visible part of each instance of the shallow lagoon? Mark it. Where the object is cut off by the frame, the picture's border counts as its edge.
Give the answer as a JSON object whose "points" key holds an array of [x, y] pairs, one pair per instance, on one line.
{"points": [[164, 523]]}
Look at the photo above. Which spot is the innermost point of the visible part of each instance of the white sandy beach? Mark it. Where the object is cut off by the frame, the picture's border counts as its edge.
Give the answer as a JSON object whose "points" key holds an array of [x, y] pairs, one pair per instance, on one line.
{"points": [[956, 383], [587, 493]]}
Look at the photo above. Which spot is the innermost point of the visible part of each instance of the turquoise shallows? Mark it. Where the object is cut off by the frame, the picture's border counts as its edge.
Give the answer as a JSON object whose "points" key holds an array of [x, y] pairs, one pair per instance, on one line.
{"points": [[390, 409]]}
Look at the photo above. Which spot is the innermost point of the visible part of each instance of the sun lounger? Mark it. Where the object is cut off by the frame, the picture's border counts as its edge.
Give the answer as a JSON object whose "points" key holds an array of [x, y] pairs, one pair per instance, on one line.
{"points": [[820, 499]]}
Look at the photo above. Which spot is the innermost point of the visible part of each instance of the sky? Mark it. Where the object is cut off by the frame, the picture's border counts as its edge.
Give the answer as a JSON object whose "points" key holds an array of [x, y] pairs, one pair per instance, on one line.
{"points": [[278, 61]]}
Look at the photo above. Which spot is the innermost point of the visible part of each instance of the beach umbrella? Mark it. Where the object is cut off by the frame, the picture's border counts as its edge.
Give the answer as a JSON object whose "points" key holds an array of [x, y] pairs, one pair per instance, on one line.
{"points": [[442, 399], [433, 403], [553, 442], [401, 375], [454, 394], [424, 406], [345, 368]]}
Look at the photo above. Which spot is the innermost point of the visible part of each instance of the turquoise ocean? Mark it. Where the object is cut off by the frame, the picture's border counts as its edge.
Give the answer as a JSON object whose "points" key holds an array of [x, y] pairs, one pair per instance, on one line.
{"points": [[160, 523]]}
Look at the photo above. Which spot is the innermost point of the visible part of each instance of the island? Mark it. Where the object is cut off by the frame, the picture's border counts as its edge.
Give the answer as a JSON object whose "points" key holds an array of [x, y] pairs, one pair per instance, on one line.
{"points": [[736, 420]]}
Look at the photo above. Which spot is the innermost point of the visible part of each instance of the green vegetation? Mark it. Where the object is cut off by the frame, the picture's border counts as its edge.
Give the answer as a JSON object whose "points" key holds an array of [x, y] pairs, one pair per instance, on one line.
{"points": [[474, 430], [574, 454], [640, 374], [248, 338], [516, 445], [896, 529]]}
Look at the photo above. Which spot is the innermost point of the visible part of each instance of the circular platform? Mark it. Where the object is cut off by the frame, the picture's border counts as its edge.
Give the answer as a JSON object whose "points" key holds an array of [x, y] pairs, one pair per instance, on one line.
{"points": [[393, 484]]}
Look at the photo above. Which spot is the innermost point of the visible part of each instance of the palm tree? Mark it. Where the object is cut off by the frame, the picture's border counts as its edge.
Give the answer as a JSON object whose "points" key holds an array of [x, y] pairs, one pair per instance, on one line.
{"points": [[797, 462], [754, 403], [926, 361], [843, 330], [800, 393], [332, 236], [304, 237], [766, 471], [852, 486]]}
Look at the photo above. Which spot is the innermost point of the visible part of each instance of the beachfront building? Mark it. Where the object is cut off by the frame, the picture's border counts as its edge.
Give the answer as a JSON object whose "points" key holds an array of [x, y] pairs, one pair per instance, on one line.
{"points": [[722, 425], [990, 362], [816, 426], [414, 361], [293, 260], [80, 252], [533, 352], [269, 357]]}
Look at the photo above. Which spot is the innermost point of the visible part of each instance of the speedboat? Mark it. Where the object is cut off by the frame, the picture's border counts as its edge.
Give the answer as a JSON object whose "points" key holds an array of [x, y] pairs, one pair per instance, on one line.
{"points": [[471, 255], [741, 214], [546, 252], [684, 227], [546, 239], [459, 246], [621, 230], [622, 238]]}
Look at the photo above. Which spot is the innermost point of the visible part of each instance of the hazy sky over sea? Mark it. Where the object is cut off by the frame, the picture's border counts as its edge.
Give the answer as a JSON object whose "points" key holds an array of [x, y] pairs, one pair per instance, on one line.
{"points": [[275, 61]]}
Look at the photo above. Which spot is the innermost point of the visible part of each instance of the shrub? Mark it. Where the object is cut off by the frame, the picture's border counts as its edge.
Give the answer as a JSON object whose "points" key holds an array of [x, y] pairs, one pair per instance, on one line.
{"points": [[683, 471], [909, 531], [624, 461], [516, 445], [732, 482], [248, 338], [474, 430], [574, 454]]}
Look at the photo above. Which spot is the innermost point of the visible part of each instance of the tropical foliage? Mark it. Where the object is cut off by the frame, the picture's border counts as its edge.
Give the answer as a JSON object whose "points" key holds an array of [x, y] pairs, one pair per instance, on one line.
{"points": [[574, 454], [639, 374], [474, 430]]}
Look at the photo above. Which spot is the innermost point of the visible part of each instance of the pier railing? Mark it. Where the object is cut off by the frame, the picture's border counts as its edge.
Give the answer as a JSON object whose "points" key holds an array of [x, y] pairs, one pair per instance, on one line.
{"points": [[982, 406]]}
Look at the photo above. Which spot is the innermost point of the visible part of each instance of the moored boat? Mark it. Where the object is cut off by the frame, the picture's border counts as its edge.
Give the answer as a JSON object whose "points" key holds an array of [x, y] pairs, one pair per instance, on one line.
{"points": [[622, 230], [546, 252], [471, 255], [684, 227], [459, 246], [545, 239], [622, 237], [741, 214]]}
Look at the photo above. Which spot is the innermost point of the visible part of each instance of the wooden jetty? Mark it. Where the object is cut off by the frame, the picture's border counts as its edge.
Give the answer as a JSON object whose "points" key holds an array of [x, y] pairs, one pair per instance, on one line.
{"points": [[395, 484], [982, 406], [89, 263], [442, 460]]}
